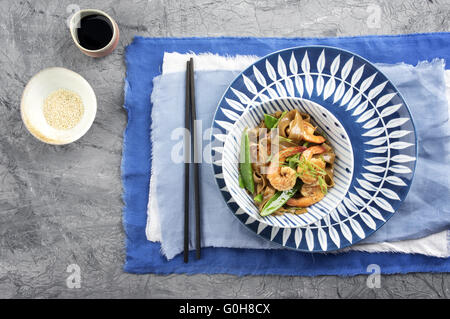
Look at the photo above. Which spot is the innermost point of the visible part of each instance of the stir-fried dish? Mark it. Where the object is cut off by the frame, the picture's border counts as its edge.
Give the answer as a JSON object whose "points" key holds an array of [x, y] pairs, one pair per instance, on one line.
{"points": [[285, 164]]}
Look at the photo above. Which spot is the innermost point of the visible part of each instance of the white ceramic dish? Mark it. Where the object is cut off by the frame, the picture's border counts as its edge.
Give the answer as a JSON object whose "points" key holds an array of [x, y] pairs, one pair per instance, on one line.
{"points": [[39, 87]]}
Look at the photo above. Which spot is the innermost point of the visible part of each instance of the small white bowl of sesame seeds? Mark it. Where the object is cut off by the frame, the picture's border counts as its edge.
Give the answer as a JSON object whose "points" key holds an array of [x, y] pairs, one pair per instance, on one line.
{"points": [[58, 106]]}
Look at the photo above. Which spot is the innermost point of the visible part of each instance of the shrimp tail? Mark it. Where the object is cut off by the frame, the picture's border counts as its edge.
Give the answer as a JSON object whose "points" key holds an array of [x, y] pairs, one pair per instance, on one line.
{"points": [[311, 195], [308, 134], [291, 151]]}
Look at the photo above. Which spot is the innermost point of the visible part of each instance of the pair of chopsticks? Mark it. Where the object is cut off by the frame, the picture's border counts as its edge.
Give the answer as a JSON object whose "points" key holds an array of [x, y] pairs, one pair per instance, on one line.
{"points": [[191, 157]]}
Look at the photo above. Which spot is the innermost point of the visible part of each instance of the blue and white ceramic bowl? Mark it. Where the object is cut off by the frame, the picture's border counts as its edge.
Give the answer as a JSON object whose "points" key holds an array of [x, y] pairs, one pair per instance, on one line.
{"points": [[327, 123], [364, 117]]}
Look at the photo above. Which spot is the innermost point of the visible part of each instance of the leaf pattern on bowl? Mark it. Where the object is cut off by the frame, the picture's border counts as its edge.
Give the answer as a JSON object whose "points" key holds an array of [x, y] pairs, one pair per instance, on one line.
{"points": [[369, 107]]}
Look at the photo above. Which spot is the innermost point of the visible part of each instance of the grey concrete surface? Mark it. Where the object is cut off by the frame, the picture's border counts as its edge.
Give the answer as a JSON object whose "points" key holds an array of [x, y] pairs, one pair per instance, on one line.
{"points": [[62, 205]]}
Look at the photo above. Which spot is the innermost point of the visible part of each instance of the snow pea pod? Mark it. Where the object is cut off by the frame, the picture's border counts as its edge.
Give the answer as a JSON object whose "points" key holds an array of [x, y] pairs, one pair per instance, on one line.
{"points": [[271, 121], [245, 165], [241, 181], [279, 199], [258, 198]]}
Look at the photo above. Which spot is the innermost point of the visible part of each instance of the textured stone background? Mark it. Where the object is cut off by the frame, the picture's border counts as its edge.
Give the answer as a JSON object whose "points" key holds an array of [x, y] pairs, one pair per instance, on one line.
{"points": [[62, 205]]}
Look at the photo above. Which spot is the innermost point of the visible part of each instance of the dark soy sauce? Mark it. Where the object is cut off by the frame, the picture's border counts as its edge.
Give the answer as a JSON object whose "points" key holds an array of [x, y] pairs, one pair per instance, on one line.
{"points": [[95, 32]]}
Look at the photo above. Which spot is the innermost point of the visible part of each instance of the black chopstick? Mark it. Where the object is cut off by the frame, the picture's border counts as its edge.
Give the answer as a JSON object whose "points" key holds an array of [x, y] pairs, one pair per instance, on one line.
{"points": [[187, 157], [195, 161], [191, 157]]}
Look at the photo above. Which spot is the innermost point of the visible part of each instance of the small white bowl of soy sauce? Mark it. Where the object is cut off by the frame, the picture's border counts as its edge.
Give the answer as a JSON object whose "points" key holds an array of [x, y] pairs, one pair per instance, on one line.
{"points": [[94, 32]]}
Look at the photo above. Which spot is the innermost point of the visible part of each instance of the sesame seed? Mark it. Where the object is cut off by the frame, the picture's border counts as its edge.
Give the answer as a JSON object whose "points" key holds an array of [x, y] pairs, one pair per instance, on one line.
{"points": [[63, 109]]}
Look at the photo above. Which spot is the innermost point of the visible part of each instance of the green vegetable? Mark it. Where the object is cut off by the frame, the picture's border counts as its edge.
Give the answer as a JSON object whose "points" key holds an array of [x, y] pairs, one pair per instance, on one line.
{"points": [[284, 139], [270, 121], [245, 165], [306, 167], [322, 184], [258, 198], [241, 181], [306, 144], [282, 115], [269, 158], [279, 199], [279, 119], [293, 161]]}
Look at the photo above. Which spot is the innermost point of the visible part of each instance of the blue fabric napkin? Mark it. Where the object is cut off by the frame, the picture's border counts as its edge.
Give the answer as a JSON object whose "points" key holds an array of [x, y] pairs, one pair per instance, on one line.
{"points": [[144, 58], [423, 213]]}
